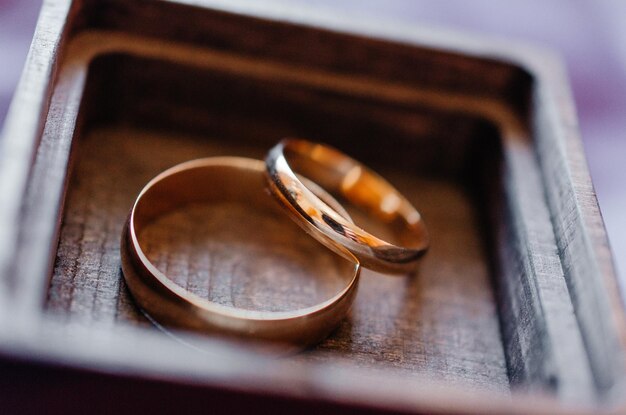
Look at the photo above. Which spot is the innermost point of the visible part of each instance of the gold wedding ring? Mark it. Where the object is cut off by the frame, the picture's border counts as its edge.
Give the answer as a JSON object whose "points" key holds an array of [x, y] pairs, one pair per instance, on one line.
{"points": [[215, 180], [342, 175]]}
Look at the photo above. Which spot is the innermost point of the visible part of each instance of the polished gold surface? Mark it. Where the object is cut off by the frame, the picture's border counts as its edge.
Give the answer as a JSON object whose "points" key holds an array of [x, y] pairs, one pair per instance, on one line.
{"points": [[342, 175], [222, 180]]}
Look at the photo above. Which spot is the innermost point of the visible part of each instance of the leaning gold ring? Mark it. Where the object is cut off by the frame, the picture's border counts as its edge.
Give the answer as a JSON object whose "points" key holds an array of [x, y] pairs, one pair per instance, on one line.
{"points": [[210, 180], [340, 174]]}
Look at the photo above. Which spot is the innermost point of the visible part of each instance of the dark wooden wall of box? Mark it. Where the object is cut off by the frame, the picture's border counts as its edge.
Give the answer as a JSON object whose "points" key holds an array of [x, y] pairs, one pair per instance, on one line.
{"points": [[514, 309]]}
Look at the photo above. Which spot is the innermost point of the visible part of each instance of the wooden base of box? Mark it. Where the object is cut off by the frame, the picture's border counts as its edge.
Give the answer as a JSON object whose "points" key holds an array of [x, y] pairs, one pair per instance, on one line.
{"points": [[500, 303]]}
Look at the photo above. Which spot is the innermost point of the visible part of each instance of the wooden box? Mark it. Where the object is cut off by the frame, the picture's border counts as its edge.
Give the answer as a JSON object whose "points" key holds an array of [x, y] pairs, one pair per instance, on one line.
{"points": [[515, 308]]}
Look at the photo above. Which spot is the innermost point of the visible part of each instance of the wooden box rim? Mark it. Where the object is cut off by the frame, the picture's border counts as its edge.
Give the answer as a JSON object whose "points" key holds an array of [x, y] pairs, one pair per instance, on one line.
{"points": [[22, 331]]}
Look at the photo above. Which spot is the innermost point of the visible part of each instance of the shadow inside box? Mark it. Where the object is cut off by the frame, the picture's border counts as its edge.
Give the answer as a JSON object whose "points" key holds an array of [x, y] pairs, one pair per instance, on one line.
{"points": [[139, 116]]}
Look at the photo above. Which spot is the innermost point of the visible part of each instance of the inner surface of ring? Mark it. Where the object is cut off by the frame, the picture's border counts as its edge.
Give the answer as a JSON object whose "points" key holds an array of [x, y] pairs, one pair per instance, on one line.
{"points": [[352, 182], [216, 232]]}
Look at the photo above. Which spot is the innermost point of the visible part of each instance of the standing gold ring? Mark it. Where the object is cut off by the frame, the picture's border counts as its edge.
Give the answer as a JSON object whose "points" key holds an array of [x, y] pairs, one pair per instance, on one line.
{"points": [[342, 175], [218, 179]]}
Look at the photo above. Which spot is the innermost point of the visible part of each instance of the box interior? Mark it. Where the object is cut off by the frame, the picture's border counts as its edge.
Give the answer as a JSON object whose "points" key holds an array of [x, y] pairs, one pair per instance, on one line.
{"points": [[163, 85], [143, 116]]}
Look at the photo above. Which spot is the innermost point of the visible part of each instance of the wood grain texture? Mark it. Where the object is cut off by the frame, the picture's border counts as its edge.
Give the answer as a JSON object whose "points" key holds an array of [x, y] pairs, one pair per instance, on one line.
{"points": [[448, 127], [20, 138], [244, 257], [417, 325], [543, 352], [581, 238], [435, 143]]}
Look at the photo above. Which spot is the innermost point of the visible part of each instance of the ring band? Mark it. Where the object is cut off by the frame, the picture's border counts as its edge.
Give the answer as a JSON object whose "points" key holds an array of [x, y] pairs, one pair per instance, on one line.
{"points": [[228, 179], [340, 174]]}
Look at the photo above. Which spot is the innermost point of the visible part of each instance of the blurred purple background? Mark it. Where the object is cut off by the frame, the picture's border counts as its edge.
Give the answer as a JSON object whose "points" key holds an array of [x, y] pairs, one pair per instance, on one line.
{"points": [[589, 35]]}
